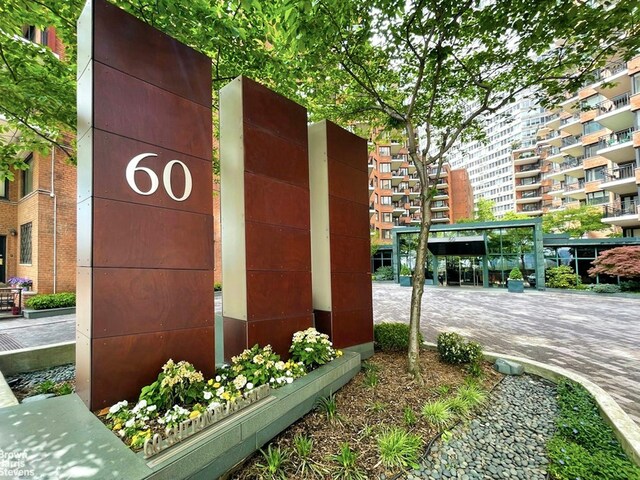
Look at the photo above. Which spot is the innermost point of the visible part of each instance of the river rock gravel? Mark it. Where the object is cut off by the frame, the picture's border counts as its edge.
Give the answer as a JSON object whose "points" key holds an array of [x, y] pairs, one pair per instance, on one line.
{"points": [[26, 381], [505, 440]]}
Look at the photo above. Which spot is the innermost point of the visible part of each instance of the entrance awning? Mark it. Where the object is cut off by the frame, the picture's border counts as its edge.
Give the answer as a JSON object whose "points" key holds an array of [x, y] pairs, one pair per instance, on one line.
{"points": [[457, 246]]}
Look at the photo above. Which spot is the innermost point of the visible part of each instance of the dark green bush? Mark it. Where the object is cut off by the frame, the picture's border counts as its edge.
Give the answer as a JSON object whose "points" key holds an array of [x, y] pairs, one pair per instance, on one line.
{"points": [[584, 445], [392, 337], [562, 277], [454, 349], [217, 287], [384, 273], [630, 286], [515, 274], [605, 288], [53, 300]]}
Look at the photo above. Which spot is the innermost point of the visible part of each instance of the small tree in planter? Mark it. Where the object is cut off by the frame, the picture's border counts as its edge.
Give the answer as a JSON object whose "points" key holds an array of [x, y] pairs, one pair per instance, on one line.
{"points": [[516, 281], [405, 276]]}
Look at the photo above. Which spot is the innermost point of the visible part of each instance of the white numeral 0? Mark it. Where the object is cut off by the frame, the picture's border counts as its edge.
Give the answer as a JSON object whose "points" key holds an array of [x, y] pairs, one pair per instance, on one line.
{"points": [[132, 168]]}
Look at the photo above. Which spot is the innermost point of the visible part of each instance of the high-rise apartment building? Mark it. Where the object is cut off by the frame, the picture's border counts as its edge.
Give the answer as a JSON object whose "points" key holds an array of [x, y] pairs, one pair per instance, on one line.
{"points": [[395, 192], [489, 162], [588, 151]]}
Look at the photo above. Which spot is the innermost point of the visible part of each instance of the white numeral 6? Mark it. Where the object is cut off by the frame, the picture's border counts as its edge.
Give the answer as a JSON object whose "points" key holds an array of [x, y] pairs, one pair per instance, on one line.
{"points": [[132, 168]]}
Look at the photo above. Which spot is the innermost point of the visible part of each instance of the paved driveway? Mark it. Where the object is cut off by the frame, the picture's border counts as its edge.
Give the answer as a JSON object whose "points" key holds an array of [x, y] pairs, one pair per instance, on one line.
{"points": [[596, 336]]}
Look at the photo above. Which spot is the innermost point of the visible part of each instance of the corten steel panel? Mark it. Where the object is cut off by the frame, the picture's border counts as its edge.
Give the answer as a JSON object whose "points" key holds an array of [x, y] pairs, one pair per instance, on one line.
{"points": [[277, 332], [350, 255], [175, 67], [350, 291], [272, 247], [132, 108], [235, 337], [343, 146], [129, 293], [112, 153], [276, 203], [352, 328], [114, 378], [272, 156], [278, 295], [344, 181], [137, 236], [322, 321], [349, 218], [273, 113]]}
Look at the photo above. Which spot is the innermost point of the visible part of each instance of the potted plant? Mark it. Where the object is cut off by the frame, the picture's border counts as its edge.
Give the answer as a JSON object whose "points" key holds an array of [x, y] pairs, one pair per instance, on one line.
{"points": [[405, 276], [515, 281]]}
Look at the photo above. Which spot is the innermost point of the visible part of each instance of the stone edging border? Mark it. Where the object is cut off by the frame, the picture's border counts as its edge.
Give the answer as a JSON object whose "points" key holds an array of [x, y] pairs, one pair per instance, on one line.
{"points": [[626, 430]]}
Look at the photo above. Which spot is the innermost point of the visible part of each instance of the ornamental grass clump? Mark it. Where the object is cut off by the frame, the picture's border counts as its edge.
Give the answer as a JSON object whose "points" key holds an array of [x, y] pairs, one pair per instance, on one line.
{"points": [[399, 448], [437, 413], [312, 348]]}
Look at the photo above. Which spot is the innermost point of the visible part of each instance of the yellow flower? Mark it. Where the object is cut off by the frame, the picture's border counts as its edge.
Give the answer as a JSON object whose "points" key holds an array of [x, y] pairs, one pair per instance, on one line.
{"points": [[210, 382], [194, 414], [225, 396], [216, 385], [338, 353], [117, 426]]}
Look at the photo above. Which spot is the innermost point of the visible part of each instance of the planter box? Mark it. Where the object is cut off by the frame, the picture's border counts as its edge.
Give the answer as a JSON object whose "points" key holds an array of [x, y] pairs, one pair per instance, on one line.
{"points": [[515, 286], [405, 281], [48, 312]]}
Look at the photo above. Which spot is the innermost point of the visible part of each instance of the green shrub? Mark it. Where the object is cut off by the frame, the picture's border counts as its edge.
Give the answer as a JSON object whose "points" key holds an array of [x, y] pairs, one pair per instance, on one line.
{"points": [[405, 271], [515, 274], [392, 337], [53, 300], [605, 288], [384, 273], [454, 349], [217, 287], [562, 277], [630, 286], [584, 445]]}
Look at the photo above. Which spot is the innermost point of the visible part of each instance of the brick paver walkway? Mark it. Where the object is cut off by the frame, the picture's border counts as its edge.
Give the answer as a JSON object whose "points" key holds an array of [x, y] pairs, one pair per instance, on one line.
{"points": [[595, 336]]}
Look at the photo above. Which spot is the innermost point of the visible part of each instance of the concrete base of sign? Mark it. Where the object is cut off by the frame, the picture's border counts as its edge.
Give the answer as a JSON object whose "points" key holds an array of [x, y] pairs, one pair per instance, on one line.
{"points": [[49, 312], [60, 438]]}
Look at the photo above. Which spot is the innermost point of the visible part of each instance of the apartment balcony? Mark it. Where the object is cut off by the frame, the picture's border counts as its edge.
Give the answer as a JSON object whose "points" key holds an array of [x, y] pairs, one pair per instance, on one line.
{"points": [[572, 166], [442, 183], [571, 146], [370, 166], [527, 184], [524, 171], [575, 190], [397, 194], [397, 161], [621, 180], [371, 188], [528, 197], [519, 147], [615, 114], [414, 193], [553, 139], [555, 155], [553, 122], [413, 181], [434, 171], [397, 176], [439, 206], [527, 158], [395, 147], [532, 209], [412, 168], [622, 214], [372, 209], [441, 195], [617, 146], [440, 217], [571, 125], [398, 210], [613, 79], [571, 104], [556, 189]]}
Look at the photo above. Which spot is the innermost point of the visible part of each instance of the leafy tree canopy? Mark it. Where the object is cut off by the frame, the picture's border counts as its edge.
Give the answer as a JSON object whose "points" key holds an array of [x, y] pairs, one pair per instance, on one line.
{"points": [[622, 261], [574, 221], [483, 212]]}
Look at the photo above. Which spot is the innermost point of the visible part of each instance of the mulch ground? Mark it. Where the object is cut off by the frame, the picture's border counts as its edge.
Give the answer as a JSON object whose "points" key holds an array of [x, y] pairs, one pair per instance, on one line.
{"points": [[364, 411]]}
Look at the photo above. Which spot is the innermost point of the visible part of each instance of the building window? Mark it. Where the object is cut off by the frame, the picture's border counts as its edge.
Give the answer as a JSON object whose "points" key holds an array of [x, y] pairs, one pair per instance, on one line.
{"points": [[29, 32], [591, 127], [4, 189], [44, 40], [595, 174], [635, 84], [386, 217], [25, 243], [385, 200], [384, 151], [384, 167], [386, 234], [385, 184], [597, 198], [27, 176]]}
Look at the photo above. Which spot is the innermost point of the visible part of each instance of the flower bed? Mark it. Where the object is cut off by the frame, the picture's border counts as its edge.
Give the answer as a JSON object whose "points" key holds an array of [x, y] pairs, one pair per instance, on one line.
{"points": [[181, 394]]}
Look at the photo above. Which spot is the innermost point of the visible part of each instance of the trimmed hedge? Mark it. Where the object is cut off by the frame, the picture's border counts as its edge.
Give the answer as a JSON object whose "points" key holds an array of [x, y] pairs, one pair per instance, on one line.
{"points": [[392, 337], [53, 300]]}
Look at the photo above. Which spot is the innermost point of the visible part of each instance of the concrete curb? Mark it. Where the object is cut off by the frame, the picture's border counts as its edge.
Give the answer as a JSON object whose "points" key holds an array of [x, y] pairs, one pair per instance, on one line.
{"points": [[7, 398], [626, 430], [37, 358], [49, 312]]}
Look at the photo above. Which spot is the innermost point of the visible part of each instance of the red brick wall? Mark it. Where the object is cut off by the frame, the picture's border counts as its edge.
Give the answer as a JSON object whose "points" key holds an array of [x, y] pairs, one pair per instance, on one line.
{"points": [[460, 195]]}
